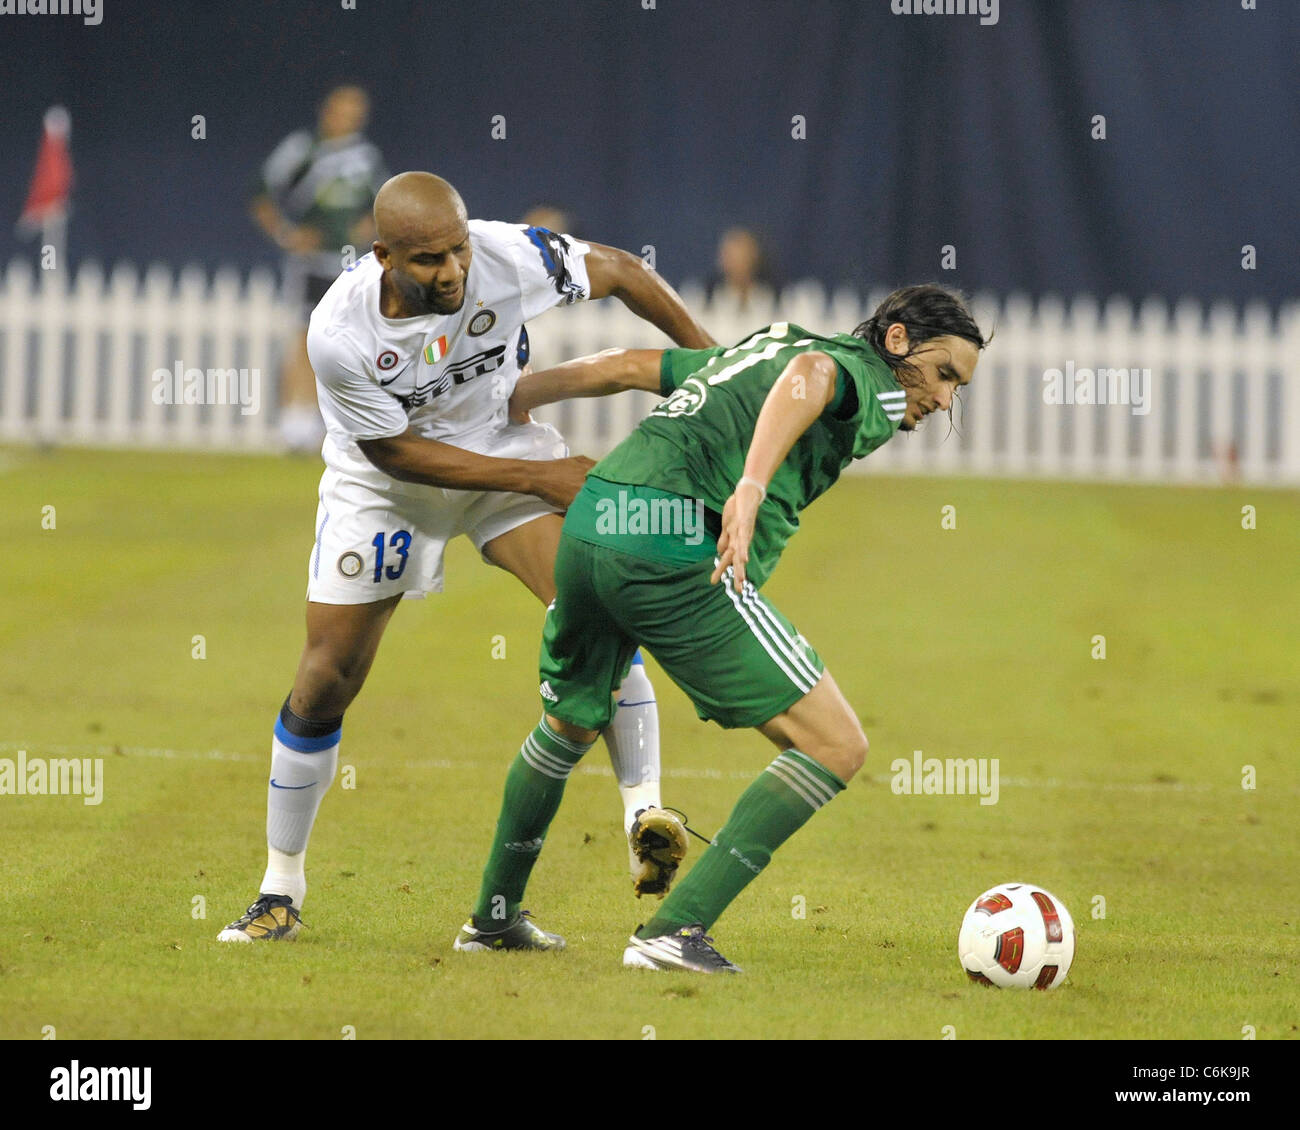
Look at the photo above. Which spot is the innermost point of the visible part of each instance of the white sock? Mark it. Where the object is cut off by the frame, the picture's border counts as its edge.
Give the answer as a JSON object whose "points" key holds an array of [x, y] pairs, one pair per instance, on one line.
{"points": [[285, 875], [633, 741], [298, 783]]}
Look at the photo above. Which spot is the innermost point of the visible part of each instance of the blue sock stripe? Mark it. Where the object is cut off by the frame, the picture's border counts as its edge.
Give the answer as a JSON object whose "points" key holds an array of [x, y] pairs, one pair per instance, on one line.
{"points": [[306, 745]]}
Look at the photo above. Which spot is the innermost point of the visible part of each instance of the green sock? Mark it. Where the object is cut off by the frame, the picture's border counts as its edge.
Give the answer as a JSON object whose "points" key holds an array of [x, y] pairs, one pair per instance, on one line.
{"points": [[768, 813], [534, 788]]}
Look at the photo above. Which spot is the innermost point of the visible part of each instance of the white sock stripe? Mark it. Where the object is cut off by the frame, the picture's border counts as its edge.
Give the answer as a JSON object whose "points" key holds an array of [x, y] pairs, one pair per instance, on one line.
{"points": [[794, 784], [542, 761], [559, 739], [555, 757], [793, 757], [817, 785], [766, 620], [796, 653], [547, 757], [812, 766], [542, 769], [776, 633], [763, 639]]}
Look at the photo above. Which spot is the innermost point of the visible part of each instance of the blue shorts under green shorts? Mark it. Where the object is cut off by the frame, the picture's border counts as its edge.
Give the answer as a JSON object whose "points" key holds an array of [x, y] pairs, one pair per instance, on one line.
{"points": [[738, 659]]}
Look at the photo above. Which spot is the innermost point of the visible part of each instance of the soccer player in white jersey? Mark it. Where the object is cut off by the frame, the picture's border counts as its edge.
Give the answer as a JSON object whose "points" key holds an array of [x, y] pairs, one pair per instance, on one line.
{"points": [[417, 348]]}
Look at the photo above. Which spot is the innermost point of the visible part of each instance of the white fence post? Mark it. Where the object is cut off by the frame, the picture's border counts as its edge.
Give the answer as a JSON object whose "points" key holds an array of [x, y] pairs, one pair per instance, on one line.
{"points": [[268, 326], [124, 320], [1154, 351], [15, 309], [86, 318], [50, 306], [1288, 365], [1188, 355]]}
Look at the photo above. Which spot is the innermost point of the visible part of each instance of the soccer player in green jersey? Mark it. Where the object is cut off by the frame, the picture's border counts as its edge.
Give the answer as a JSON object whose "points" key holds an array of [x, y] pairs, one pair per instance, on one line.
{"points": [[667, 545]]}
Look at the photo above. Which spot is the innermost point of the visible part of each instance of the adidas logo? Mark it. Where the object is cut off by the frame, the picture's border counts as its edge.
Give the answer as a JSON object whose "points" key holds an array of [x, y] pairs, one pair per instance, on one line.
{"points": [[545, 691], [525, 847]]}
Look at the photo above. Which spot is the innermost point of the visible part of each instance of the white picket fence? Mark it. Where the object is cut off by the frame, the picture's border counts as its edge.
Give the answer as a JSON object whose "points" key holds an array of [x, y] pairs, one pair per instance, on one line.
{"points": [[78, 365]]}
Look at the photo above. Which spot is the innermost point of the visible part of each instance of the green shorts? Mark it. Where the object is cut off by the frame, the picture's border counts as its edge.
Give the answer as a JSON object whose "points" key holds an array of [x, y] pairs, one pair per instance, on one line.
{"points": [[740, 661]]}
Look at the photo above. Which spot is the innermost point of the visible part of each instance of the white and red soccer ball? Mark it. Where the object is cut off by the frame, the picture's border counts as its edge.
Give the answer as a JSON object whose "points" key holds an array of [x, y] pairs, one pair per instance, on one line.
{"points": [[1017, 936]]}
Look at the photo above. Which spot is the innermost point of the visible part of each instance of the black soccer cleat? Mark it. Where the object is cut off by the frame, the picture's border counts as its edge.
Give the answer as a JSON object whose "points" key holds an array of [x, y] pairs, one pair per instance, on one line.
{"points": [[687, 949]]}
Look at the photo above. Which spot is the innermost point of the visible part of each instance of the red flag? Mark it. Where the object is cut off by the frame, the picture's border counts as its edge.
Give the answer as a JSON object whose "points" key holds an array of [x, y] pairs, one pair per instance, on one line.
{"points": [[47, 199]]}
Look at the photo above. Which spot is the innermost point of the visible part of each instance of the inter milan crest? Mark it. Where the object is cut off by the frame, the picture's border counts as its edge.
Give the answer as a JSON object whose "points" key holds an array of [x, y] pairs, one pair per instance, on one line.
{"points": [[483, 321], [350, 564]]}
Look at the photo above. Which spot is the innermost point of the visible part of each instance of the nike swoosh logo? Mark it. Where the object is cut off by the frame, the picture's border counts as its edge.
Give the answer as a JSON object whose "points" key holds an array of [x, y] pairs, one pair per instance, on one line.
{"points": [[643, 702], [275, 786], [385, 384]]}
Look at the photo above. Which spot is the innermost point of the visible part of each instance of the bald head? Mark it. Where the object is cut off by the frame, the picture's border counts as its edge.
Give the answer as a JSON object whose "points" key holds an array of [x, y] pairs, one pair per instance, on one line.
{"points": [[416, 208], [423, 246]]}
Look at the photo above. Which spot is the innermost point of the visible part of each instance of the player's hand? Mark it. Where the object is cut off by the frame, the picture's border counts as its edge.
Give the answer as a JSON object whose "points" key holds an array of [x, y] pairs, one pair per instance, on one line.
{"points": [[559, 480], [738, 518], [300, 240]]}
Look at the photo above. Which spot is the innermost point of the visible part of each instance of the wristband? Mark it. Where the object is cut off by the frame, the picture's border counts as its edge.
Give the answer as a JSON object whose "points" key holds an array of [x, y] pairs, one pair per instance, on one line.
{"points": [[754, 483]]}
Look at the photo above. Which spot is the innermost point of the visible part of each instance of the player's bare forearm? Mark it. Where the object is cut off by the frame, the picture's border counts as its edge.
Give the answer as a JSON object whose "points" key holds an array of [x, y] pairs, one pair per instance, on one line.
{"points": [[296, 239], [414, 459], [627, 278], [600, 374], [267, 217], [800, 394]]}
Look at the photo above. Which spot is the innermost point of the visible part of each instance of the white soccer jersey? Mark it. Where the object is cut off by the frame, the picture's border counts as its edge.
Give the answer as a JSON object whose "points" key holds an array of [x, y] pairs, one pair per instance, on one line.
{"points": [[448, 376]]}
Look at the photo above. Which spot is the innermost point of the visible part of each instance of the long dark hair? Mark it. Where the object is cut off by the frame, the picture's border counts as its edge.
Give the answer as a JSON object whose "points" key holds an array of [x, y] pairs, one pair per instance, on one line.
{"points": [[926, 311]]}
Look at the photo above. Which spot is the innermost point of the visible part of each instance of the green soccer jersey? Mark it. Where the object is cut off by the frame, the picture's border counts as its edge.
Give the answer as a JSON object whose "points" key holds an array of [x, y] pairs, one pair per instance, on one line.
{"points": [[694, 443]]}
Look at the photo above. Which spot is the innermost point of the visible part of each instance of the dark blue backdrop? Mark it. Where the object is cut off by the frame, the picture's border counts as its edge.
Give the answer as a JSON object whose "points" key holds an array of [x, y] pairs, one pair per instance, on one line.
{"points": [[665, 126]]}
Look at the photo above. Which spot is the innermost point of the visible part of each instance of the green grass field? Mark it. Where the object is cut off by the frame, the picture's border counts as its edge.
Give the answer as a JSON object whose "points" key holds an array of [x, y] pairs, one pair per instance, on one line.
{"points": [[1121, 778]]}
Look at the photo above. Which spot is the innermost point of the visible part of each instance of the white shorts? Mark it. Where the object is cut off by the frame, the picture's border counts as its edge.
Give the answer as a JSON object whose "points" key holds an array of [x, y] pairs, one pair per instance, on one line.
{"points": [[377, 537]]}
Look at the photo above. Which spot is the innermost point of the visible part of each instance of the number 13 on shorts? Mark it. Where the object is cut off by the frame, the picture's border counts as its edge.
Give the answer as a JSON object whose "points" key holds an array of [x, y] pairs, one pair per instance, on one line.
{"points": [[399, 542]]}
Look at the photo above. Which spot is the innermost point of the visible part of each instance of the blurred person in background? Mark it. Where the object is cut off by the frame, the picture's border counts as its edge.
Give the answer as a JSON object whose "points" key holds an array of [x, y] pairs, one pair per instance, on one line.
{"points": [[314, 199], [549, 216], [744, 277]]}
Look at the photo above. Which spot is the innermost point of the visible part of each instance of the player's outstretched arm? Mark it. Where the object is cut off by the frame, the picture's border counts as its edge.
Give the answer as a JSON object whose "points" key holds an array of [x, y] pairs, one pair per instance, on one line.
{"points": [[415, 459], [801, 393], [641, 289], [611, 370]]}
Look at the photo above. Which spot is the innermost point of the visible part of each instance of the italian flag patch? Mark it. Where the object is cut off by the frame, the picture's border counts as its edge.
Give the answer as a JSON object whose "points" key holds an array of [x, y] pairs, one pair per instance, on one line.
{"points": [[435, 351]]}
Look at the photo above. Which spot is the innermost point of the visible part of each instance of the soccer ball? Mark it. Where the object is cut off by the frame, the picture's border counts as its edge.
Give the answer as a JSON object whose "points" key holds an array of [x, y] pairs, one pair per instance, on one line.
{"points": [[1017, 936]]}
